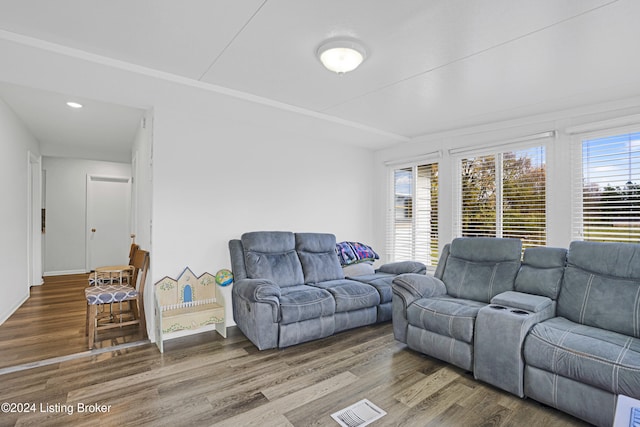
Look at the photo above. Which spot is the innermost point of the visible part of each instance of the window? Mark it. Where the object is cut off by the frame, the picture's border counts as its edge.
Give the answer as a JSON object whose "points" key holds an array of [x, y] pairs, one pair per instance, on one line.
{"points": [[607, 189], [503, 194], [413, 228]]}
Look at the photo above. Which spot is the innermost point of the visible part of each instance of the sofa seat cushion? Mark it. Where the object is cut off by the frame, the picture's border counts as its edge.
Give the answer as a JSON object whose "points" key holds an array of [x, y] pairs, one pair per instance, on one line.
{"points": [[382, 283], [594, 356], [447, 316], [351, 295], [304, 302]]}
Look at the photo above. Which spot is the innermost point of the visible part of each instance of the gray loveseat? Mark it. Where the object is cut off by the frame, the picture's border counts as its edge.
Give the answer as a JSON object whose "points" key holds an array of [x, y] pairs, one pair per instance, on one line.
{"points": [[290, 288], [565, 330]]}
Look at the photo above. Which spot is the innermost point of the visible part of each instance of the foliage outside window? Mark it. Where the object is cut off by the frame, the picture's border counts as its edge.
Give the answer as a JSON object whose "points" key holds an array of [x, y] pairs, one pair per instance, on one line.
{"points": [[609, 190], [504, 195], [413, 231]]}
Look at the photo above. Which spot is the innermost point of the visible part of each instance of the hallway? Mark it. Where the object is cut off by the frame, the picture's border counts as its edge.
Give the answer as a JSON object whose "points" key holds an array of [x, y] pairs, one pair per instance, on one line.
{"points": [[51, 323]]}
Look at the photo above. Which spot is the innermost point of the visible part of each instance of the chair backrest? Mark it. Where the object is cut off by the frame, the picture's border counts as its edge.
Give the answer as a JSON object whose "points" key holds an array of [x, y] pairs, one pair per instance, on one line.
{"points": [[132, 250], [140, 264], [601, 286], [479, 268]]}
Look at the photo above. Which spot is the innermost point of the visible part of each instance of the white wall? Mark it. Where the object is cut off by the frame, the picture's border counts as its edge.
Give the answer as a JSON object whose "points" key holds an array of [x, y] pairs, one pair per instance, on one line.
{"points": [[558, 164], [15, 144], [65, 204], [142, 180], [142, 199], [216, 178]]}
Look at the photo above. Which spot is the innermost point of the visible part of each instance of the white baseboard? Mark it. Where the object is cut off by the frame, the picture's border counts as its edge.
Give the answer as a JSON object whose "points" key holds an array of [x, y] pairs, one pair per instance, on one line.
{"points": [[8, 313], [63, 273], [39, 283]]}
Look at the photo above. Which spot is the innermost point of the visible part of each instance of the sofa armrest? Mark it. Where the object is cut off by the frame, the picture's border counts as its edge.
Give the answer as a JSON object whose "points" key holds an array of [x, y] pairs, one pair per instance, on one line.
{"points": [[402, 267], [522, 301], [413, 286], [408, 288], [257, 290]]}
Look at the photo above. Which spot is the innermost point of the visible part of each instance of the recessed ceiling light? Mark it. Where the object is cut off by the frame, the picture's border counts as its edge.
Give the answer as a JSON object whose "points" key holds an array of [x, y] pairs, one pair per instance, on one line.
{"points": [[341, 55], [74, 104]]}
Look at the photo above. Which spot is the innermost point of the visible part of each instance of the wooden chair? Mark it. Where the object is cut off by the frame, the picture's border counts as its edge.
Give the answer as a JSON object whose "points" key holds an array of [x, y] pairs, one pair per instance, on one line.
{"points": [[132, 250], [100, 295], [116, 274]]}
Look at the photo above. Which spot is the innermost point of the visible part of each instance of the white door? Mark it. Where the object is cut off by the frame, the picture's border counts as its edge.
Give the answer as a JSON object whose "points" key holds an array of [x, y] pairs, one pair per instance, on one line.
{"points": [[108, 220]]}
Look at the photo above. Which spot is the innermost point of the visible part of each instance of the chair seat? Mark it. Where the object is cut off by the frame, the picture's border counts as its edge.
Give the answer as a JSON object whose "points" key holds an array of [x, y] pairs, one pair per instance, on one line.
{"points": [[105, 294], [447, 316], [604, 359], [302, 302]]}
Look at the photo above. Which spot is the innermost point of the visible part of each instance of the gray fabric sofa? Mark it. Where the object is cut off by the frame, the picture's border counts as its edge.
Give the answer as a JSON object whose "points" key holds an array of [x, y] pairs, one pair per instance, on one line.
{"points": [[502, 326], [566, 334], [436, 315], [290, 288], [580, 360]]}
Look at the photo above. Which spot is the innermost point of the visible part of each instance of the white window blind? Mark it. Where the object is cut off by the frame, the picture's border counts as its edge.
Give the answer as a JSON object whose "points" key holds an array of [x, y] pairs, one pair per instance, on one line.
{"points": [[503, 194], [413, 219], [606, 204]]}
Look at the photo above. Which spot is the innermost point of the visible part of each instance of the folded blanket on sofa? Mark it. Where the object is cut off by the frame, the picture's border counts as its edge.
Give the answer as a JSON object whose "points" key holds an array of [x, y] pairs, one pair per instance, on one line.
{"points": [[353, 252]]}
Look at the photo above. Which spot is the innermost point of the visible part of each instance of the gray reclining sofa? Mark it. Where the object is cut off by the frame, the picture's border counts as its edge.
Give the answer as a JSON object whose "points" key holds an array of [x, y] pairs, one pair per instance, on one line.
{"points": [[290, 288], [563, 330], [582, 359], [437, 315]]}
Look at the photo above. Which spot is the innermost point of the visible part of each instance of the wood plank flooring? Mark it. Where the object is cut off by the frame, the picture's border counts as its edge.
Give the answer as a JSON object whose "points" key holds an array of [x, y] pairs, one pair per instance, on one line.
{"points": [[206, 380], [51, 323]]}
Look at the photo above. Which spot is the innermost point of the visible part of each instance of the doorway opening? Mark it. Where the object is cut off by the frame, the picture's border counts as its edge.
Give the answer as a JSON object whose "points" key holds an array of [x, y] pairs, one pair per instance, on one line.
{"points": [[51, 323]]}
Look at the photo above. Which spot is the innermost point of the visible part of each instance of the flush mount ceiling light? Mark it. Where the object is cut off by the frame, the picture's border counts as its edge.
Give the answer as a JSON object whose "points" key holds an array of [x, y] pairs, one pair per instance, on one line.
{"points": [[74, 104], [341, 55]]}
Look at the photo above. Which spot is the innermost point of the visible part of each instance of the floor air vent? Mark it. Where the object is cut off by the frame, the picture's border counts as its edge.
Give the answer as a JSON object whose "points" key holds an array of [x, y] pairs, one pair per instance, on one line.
{"points": [[359, 414]]}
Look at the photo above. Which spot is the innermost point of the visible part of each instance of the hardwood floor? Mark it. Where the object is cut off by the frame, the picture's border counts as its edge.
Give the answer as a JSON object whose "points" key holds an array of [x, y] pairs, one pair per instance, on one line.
{"points": [[208, 380], [51, 323]]}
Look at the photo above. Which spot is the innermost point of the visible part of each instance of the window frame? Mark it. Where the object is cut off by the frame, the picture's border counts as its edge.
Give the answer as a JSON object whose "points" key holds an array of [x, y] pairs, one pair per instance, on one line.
{"points": [[392, 167], [497, 151], [577, 172]]}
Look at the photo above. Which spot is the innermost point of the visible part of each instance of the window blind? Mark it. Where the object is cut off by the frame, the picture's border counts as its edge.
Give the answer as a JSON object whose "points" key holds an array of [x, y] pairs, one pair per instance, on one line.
{"points": [[413, 217], [503, 194], [606, 202]]}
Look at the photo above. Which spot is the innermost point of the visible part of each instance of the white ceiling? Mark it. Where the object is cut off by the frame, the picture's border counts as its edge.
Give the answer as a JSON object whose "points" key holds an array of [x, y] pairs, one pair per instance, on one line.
{"points": [[97, 131], [433, 65]]}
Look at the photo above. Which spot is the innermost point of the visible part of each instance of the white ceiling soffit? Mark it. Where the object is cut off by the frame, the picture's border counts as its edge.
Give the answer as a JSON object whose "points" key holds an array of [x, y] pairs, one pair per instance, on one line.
{"points": [[98, 130], [432, 65]]}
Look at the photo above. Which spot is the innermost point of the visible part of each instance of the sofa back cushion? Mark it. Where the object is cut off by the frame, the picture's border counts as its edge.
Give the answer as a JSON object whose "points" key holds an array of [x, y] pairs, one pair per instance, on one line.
{"points": [[272, 255], [601, 286], [541, 271], [317, 253], [478, 268]]}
